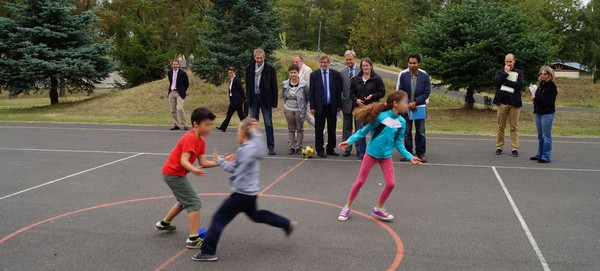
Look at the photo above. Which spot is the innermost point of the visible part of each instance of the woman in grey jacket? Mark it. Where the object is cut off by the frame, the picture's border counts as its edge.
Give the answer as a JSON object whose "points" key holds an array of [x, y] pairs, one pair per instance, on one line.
{"points": [[295, 92]]}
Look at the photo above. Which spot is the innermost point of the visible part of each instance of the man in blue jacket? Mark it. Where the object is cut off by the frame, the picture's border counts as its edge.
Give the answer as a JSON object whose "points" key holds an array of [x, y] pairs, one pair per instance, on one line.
{"points": [[178, 85], [415, 82]]}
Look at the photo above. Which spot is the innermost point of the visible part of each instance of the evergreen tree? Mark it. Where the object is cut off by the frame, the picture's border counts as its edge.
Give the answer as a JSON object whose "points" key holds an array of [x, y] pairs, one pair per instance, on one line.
{"points": [[47, 45], [464, 44], [237, 27], [590, 37]]}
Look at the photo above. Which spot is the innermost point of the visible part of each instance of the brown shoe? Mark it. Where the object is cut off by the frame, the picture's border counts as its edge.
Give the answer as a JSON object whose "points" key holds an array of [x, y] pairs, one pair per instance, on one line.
{"points": [[402, 159], [423, 159]]}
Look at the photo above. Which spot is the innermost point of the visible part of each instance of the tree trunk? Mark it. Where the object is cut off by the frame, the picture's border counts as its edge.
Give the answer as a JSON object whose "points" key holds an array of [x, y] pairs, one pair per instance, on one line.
{"points": [[62, 93], [469, 100], [53, 90]]}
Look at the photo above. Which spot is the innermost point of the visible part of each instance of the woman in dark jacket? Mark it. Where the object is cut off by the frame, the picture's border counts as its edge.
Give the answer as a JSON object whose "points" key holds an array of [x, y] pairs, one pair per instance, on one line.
{"points": [[365, 88], [544, 106]]}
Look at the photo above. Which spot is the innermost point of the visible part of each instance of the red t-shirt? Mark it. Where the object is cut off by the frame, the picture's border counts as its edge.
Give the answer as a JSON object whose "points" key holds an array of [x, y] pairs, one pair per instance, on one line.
{"points": [[188, 143]]}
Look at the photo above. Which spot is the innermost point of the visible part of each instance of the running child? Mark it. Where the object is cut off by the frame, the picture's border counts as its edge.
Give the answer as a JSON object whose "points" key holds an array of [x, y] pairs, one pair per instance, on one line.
{"points": [[190, 147], [385, 123], [245, 166]]}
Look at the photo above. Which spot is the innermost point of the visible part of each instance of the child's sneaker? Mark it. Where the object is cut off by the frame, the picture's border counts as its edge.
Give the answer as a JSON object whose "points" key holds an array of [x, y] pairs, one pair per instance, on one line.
{"points": [[344, 214], [204, 258], [168, 227], [382, 214], [193, 244]]}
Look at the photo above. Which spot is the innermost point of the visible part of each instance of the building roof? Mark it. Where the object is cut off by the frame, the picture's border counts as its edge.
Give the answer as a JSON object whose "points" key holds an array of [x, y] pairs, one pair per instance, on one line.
{"points": [[572, 65]]}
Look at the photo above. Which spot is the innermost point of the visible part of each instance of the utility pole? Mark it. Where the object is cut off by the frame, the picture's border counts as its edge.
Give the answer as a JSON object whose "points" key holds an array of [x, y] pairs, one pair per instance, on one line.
{"points": [[319, 41]]}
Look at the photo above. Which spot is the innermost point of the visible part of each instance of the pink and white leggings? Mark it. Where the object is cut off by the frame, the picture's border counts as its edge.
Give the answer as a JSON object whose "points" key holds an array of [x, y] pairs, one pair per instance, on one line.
{"points": [[387, 166]]}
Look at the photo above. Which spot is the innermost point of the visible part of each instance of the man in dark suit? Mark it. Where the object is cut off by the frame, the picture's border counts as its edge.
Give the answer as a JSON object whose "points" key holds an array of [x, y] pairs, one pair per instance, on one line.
{"points": [[325, 102], [236, 99], [347, 72], [178, 85], [262, 93]]}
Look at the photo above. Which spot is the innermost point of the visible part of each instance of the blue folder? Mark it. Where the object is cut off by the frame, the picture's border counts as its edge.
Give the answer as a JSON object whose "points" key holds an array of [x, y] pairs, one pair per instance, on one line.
{"points": [[419, 114]]}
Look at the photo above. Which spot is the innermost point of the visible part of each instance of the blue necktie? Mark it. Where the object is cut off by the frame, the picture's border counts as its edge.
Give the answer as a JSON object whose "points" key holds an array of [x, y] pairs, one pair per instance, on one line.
{"points": [[326, 87]]}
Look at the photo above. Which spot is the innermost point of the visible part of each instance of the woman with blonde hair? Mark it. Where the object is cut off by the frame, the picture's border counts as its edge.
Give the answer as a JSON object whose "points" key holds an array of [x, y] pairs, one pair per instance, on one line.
{"points": [[544, 106]]}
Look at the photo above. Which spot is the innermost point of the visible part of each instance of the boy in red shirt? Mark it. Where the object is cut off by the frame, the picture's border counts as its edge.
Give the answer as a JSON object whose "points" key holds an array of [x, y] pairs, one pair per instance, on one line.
{"points": [[190, 147]]}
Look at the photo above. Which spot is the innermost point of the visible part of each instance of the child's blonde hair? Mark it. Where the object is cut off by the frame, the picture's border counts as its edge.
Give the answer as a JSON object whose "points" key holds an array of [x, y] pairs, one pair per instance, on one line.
{"points": [[246, 124]]}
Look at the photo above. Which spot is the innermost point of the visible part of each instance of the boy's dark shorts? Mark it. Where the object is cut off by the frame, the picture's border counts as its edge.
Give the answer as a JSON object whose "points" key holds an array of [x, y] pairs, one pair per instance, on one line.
{"points": [[184, 192]]}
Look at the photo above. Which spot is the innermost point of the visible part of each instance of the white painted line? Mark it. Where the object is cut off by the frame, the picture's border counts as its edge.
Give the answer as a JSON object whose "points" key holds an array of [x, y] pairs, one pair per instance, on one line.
{"points": [[536, 248], [72, 175], [315, 159], [70, 151]]}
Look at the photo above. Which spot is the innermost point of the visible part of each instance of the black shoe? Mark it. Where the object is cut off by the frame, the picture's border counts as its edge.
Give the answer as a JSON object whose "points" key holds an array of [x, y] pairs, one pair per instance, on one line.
{"points": [[423, 159], [333, 153], [347, 153], [185, 128], [272, 152], [221, 129], [204, 258], [534, 158], [292, 152], [498, 151], [322, 154], [290, 229], [515, 153], [175, 128], [542, 161]]}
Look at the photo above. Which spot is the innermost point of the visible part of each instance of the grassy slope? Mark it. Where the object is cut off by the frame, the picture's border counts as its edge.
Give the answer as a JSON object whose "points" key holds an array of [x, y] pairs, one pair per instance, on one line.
{"points": [[147, 104]]}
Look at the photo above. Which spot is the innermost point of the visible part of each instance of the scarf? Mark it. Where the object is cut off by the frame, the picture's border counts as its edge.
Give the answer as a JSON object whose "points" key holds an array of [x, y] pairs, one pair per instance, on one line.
{"points": [[257, 74]]}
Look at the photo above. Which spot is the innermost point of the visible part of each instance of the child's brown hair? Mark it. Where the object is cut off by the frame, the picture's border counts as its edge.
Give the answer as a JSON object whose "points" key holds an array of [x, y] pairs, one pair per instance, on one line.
{"points": [[369, 113], [246, 124]]}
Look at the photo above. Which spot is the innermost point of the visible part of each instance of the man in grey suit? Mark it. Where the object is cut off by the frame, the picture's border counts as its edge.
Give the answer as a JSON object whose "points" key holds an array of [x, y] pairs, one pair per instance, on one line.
{"points": [[347, 72]]}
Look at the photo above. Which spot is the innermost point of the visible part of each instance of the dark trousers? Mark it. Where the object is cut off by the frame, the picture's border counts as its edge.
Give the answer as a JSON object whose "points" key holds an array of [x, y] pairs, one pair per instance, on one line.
{"points": [[257, 106], [231, 207], [361, 144], [327, 115], [239, 108], [420, 140], [347, 129]]}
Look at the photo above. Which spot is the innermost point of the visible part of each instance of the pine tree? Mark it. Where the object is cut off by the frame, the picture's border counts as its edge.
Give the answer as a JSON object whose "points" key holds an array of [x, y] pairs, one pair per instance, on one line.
{"points": [[47, 46], [237, 27]]}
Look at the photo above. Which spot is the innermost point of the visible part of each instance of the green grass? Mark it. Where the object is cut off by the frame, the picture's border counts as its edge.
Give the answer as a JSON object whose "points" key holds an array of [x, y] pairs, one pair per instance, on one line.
{"points": [[148, 105], [580, 92]]}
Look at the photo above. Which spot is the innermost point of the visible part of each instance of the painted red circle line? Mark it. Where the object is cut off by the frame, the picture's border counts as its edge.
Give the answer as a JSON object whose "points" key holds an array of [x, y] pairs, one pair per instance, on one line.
{"points": [[395, 264]]}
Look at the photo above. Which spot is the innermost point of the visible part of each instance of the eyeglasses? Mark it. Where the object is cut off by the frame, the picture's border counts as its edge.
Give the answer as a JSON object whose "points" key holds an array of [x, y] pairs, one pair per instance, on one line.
{"points": [[543, 73]]}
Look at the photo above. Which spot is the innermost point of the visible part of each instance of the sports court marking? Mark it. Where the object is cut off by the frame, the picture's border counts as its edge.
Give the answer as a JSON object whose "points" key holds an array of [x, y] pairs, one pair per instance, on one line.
{"points": [[315, 159], [534, 244], [393, 266], [168, 131], [69, 176]]}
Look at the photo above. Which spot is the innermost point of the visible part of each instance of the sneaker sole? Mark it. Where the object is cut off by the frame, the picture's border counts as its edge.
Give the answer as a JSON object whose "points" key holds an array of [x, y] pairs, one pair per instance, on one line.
{"points": [[164, 229], [205, 260], [382, 218], [342, 219], [194, 247]]}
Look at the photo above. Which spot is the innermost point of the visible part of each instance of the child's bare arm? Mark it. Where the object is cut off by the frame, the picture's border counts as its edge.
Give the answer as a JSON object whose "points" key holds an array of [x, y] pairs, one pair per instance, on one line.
{"points": [[185, 163], [205, 163]]}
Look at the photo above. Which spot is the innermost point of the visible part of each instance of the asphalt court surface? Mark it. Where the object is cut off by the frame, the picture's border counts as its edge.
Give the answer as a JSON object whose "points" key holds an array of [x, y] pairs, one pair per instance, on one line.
{"points": [[75, 196]]}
